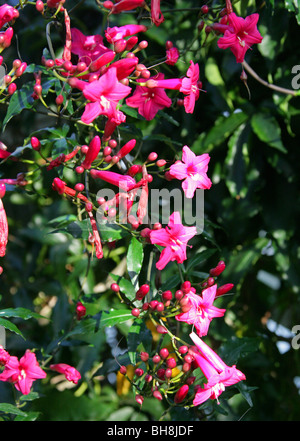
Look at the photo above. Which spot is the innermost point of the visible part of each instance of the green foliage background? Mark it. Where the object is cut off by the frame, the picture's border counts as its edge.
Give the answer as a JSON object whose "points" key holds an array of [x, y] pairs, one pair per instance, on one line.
{"points": [[252, 215]]}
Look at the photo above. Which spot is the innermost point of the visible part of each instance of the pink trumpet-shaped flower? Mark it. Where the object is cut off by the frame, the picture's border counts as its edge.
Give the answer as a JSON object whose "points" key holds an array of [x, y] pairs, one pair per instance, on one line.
{"points": [[192, 170], [124, 182], [68, 371], [174, 238], [218, 374], [202, 310], [118, 33], [149, 101], [156, 14], [126, 5], [240, 35], [190, 86], [88, 48], [22, 373], [92, 153], [7, 13], [104, 95], [3, 223]]}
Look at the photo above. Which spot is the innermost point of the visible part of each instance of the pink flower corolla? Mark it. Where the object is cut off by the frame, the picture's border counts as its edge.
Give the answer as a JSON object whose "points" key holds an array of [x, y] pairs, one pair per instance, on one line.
{"points": [[124, 182], [125, 5], [156, 14], [103, 95], [118, 33], [240, 35], [4, 356], [92, 153], [22, 373], [3, 223], [174, 237], [218, 374], [87, 47], [172, 56], [202, 310], [190, 87], [68, 371], [192, 170], [149, 101], [7, 13]]}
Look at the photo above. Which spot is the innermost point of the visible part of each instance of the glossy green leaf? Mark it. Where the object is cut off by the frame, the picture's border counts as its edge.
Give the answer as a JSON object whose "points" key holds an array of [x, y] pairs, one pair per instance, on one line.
{"points": [[135, 256]]}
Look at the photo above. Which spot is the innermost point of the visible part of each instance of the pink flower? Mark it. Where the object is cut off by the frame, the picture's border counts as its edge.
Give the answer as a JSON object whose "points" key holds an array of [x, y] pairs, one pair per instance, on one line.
{"points": [[190, 87], [240, 35], [126, 5], [172, 56], [124, 182], [4, 356], [174, 238], [22, 373], [68, 371], [92, 153], [88, 48], [202, 310], [149, 101], [7, 13], [104, 95], [3, 223], [192, 169], [218, 374], [118, 33], [156, 14]]}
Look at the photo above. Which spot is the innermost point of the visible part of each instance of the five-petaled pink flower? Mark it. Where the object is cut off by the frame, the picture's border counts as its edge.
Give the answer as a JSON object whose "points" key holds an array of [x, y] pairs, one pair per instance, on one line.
{"points": [[117, 33], [68, 371], [104, 95], [149, 101], [202, 310], [22, 373], [174, 238], [218, 374], [190, 86], [87, 47], [192, 169], [240, 35]]}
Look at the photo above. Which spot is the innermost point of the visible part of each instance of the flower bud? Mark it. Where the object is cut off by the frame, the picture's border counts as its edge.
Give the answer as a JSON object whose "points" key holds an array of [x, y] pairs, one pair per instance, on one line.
{"points": [[181, 394]]}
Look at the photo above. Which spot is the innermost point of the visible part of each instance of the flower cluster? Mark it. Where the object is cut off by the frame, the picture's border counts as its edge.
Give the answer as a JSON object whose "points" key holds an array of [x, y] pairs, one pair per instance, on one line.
{"points": [[102, 78], [22, 373], [172, 370]]}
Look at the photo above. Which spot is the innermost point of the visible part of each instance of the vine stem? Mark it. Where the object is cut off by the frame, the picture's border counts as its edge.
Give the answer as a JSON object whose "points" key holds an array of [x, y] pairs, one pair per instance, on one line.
{"points": [[265, 83]]}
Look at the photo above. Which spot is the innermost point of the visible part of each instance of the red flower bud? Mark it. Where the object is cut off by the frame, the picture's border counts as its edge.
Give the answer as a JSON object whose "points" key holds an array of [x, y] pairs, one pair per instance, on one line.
{"points": [[181, 394]]}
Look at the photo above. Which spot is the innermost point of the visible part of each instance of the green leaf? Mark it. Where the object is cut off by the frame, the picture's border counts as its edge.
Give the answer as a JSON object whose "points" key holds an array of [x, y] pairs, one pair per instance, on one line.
{"points": [[135, 256], [222, 129], [138, 334], [267, 129], [11, 327], [110, 232], [10, 408], [125, 285], [293, 6], [199, 258], [19, 101], [20, 312], [115, 317]]}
